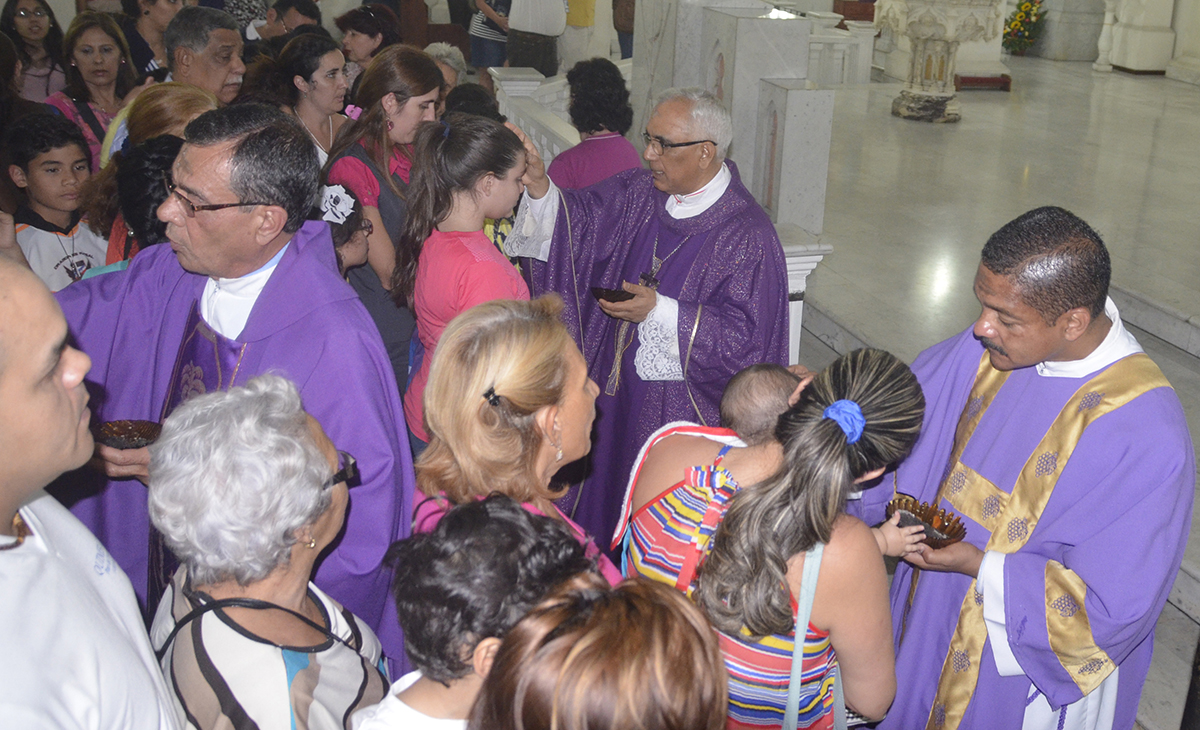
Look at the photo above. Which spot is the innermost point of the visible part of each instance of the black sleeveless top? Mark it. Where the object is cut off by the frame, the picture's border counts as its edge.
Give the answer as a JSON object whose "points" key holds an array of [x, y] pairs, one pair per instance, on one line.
{"points": [[395, 323]]}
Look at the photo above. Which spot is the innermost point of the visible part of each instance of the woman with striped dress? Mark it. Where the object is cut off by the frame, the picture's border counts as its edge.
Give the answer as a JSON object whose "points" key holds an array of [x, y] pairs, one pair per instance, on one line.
{"points": [[735, 531]]}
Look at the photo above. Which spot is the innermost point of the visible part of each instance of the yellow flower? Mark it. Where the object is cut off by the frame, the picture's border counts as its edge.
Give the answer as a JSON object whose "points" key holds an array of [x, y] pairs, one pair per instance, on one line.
{"points": [[1015, 25], [1027, 7], [1020, 16]]}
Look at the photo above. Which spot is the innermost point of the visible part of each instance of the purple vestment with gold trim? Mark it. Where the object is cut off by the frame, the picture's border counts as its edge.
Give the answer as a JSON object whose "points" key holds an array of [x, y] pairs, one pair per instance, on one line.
{"points": [[307, 325], [1117, 519]]}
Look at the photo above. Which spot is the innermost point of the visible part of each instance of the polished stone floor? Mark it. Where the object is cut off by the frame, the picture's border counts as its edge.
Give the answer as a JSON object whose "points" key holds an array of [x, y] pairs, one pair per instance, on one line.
{"points": [[910, 205]]}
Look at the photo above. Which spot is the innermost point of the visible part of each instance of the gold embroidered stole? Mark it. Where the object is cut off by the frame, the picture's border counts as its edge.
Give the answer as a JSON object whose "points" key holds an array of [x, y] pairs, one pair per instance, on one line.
{"points": [[1012, 517]]}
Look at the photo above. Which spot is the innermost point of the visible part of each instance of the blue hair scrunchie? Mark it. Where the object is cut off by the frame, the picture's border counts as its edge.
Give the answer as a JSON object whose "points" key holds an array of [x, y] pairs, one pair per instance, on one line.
{"points": [[849, 416]]}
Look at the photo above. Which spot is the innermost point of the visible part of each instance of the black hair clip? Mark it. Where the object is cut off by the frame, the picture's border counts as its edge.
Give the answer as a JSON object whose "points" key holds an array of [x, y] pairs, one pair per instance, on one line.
{"points": [[446, 135], [491, 397]]}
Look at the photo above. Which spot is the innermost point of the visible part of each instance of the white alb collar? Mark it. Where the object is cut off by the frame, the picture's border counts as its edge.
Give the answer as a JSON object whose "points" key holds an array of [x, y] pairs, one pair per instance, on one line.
{"points": [[226, 303], [1118, 343], [693, 204]]}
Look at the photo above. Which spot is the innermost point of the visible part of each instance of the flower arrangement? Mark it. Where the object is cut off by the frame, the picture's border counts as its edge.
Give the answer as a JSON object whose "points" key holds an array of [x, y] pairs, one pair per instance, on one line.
{"points": [[1022, 27]]}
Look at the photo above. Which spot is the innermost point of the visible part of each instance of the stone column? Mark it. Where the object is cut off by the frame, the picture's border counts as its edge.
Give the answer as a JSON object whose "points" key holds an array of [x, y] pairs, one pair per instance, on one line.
{"points": [[802, 254], [934, 29], [1142, 38]]}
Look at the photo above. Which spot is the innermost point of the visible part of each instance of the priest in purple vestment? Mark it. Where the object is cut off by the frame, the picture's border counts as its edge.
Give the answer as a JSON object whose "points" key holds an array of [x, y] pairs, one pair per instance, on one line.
{"points": [[245, 286], [703, 269], [1066, 453]]}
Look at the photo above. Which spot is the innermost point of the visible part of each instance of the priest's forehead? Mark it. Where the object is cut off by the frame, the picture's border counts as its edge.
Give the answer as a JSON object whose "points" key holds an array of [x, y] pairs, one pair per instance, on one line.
{"points": [[673, 121]]}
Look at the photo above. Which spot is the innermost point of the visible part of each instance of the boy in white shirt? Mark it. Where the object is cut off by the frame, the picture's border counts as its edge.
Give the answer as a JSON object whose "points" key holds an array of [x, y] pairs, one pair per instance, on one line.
{"points": [[51, 162], [459, 589]]}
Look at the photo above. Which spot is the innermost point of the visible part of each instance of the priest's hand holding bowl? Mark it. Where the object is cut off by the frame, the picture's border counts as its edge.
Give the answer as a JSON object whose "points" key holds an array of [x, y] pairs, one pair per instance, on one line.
{"points": [[122, 463], [632, 310], [960, 557]]}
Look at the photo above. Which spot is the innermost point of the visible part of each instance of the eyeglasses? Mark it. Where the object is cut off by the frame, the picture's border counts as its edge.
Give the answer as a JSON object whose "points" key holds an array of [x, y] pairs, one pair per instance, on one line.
{"points": [[658, 144], [347, 473], [35, 13], [191, 208]]}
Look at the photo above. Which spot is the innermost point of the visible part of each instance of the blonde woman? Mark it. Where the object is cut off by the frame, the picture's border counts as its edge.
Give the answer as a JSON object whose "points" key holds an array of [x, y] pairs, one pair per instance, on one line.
{"points": [[508, 403]]}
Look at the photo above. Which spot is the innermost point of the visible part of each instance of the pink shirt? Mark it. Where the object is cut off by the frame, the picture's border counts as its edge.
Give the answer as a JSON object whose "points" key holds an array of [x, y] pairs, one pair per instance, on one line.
{"points": [[456, 271], [594, 159], [429, 511], [64, 104], [355, 175]]}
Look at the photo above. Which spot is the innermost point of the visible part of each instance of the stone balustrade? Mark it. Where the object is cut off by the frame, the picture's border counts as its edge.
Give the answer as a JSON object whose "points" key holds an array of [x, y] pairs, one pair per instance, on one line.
{"points": [[839, 56]]}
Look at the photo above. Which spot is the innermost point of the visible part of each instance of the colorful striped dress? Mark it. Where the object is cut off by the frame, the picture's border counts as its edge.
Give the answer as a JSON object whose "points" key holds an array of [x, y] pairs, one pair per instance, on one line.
{"points": [[664, 541]]}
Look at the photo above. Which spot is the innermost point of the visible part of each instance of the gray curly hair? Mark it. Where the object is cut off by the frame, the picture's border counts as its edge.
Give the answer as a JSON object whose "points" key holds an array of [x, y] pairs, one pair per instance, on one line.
{"points": [[232, 478]]}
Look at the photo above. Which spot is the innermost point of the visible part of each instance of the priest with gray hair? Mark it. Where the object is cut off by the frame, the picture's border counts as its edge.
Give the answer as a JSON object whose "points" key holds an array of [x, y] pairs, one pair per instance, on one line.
{"points": [[674, 280]]}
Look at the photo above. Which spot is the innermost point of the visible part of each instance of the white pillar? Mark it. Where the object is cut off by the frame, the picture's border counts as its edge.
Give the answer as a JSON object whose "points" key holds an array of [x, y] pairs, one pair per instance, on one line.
{"points": [[802, 257], [1142, 38]]}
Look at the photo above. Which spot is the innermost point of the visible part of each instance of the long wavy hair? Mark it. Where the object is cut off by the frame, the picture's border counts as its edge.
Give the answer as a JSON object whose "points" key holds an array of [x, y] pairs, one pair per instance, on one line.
{"points": [[53, 42], [402, 72], [743, 581], [448, 157], [161, 109], [517, 352], [270, 80], [85, 21]]}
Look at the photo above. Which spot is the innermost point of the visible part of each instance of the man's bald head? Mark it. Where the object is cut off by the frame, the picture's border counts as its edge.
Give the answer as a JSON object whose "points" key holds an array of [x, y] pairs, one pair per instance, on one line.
{"points": [[754, 399]]}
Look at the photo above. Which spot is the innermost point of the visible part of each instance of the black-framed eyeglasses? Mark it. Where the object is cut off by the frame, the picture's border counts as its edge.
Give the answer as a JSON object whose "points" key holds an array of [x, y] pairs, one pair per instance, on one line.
{"points": [[347, 471], [191, 208], [658, 144], [27, 13]]}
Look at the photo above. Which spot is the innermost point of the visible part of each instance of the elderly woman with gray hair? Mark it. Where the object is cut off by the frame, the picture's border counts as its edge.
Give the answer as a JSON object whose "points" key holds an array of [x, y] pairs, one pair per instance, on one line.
{"points": [[244, 490]]}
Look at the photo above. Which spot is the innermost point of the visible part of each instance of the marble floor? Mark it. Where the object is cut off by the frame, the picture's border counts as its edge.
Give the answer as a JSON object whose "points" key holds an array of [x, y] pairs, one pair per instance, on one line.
{"points": [[909, 206], [1121, 151]]}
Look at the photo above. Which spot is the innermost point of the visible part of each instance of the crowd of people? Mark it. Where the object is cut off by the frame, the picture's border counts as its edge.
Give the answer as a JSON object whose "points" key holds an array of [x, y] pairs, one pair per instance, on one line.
{"points": [[451, 440]]}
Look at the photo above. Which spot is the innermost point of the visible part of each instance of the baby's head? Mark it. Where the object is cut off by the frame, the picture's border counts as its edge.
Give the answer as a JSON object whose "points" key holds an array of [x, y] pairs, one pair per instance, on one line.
{"points": [[754, 399], [50, 162]]}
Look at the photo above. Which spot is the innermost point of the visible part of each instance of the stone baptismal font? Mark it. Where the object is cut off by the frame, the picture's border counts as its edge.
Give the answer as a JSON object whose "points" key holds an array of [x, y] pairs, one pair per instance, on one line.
{"points": [[934, 29]]}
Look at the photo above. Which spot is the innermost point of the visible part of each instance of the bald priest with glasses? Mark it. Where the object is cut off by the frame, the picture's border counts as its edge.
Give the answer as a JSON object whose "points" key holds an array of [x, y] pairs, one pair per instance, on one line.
{"points": [[244, 286], [674, 280]]}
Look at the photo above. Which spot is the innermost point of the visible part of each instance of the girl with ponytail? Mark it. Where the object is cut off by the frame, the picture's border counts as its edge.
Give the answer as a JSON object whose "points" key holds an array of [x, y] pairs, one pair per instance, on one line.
{"points": [[736, 531], [465, 169]]}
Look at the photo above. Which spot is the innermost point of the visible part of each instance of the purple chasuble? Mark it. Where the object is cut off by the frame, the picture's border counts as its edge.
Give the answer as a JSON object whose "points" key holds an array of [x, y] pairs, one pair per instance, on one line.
{"points": [[207, 362], [307, 325], [1118, 518], [726, 269]]}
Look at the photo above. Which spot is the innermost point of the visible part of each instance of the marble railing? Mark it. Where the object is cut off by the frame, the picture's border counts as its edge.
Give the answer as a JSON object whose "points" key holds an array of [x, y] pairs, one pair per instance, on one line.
{"points": [[840, 56], [518, 91]]}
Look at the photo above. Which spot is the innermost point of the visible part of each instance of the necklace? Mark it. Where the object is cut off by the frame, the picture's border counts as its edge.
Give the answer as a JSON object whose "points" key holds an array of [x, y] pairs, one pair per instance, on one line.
{"points": [[74, 270], [656, 263], [22, 531], [310, 132]]}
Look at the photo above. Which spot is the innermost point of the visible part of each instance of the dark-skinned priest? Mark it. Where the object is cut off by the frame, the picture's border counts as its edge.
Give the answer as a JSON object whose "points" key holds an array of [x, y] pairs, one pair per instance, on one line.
{"points": [[700, 263]]}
